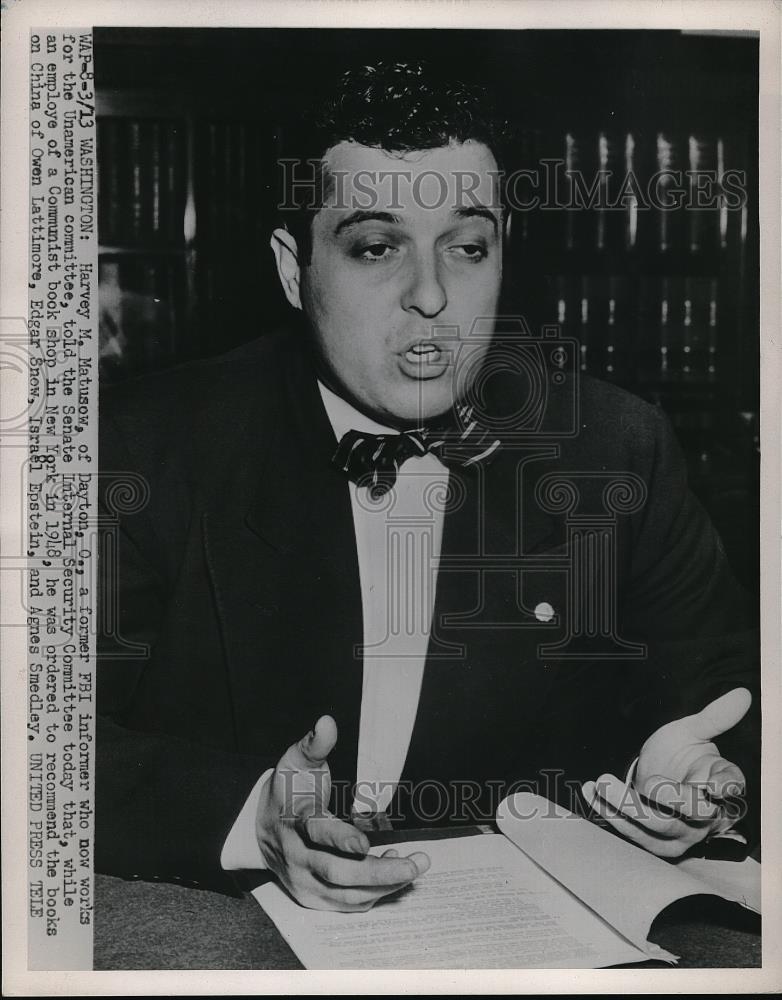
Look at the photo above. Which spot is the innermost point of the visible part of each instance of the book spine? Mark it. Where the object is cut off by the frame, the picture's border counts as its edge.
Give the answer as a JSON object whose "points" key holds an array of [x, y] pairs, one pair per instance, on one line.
{"points": [[586, 190], [629, 194], [572, 164], [110, 180], [665, 167], [703, 214], [713, 330], [609, 197], [134, 160], [664, 372], [604, 158], [155, 181], [213, 211], [588, 352], [689, 332], [618, 350], [172, 185]]}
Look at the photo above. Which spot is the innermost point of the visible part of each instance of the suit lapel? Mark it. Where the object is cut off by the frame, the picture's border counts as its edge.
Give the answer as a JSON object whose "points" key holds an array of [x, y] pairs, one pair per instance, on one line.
{"points": [[483, 685], [283, 562]]}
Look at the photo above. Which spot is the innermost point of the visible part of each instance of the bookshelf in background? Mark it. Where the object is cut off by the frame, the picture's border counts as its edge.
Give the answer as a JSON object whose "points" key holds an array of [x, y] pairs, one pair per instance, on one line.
{"points": [[183, 241], [146, 253], [662, 302]]}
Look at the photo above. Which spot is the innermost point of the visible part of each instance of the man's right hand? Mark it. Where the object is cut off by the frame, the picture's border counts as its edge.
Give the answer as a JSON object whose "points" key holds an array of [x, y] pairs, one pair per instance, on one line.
{"points": [[321, 860]]}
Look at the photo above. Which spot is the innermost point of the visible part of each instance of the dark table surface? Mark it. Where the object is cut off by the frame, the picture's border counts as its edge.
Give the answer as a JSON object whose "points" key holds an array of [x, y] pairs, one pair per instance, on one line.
{"points": [[144, 925]]}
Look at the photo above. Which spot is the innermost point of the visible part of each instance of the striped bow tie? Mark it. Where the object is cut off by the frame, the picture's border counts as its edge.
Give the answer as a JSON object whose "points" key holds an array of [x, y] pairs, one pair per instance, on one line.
{"points": [[374, 460]]}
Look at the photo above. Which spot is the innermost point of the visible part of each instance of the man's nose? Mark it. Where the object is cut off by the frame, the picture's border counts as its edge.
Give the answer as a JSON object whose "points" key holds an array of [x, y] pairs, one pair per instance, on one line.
{"points": [[425, 292]]}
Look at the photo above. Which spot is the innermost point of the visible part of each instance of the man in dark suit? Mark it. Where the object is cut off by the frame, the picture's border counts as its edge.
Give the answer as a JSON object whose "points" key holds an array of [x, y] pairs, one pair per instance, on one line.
{"points": [[389, 516]]}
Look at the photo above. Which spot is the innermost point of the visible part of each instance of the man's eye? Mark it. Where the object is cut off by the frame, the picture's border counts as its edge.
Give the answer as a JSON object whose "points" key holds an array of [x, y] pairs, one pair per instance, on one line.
{"points": [[375, 252], [470, 251]]}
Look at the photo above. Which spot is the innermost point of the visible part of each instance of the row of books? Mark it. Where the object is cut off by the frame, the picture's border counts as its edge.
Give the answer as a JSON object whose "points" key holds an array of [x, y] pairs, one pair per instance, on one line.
{"points": [[142, 172], [629, 191], [233, 182], [168, 182], [642, 332], [164, 182]]}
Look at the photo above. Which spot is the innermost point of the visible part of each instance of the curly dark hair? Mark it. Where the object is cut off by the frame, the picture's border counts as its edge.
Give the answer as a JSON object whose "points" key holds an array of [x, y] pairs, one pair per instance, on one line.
{"points": [[395, 106], [401, 106]]}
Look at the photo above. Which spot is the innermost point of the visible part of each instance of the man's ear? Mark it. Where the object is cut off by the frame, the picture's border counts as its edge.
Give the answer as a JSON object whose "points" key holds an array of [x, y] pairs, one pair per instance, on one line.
{"points": [[286, 256]]}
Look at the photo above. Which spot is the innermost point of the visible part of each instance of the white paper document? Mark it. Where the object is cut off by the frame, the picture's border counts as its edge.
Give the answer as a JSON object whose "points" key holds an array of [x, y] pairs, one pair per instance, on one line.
{"points": [[626, 885], [555, 892], [482, 904], [736, 880]]}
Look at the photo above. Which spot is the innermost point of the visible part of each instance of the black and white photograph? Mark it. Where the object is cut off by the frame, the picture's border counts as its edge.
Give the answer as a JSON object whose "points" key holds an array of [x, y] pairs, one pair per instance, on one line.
{"points": [[393, 565], [430, 400]]}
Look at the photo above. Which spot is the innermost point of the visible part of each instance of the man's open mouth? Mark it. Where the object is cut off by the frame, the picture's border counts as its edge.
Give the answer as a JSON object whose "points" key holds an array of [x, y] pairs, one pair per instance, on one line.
{"points": [[425, 353]]}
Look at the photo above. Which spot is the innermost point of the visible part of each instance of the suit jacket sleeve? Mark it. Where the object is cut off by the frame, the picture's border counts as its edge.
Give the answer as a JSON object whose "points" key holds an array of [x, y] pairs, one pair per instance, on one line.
{"points": [[698, 624], [164, 805]]}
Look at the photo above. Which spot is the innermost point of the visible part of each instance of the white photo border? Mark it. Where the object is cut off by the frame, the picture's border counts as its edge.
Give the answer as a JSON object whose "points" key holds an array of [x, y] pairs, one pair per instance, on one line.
{"points": [[723, 16]]}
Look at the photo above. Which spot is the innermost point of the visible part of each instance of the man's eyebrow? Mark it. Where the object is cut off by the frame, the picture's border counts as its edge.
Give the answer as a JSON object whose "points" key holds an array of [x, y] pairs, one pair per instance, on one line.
{"points": [[477, 211], [362, 216]]}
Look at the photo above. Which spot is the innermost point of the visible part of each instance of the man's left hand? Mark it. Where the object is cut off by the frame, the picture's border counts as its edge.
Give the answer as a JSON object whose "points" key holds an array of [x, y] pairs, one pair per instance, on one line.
{"points": [[683, 790]]}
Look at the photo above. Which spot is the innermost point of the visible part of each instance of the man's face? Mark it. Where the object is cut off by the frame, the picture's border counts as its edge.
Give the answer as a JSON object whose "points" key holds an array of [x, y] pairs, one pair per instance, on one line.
{"points": [[406, 254]]}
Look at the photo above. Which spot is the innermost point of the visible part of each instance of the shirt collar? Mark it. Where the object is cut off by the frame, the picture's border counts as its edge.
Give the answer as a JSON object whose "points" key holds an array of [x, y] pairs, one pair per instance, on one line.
{"points": [[344, 417]]}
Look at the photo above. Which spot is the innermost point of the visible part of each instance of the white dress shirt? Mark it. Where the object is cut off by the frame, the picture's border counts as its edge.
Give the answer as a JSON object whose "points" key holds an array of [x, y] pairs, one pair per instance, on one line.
{"points": [[398, 539]]}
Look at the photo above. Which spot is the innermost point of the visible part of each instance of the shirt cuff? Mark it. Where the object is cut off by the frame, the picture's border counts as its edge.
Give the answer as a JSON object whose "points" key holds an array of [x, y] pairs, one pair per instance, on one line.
{"points": [[241, 850], [728, 834]]}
